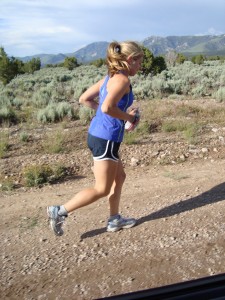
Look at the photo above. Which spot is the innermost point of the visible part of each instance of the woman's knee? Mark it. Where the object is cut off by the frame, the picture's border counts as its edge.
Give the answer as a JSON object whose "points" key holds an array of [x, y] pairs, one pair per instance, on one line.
{"points": [[102, 191]]}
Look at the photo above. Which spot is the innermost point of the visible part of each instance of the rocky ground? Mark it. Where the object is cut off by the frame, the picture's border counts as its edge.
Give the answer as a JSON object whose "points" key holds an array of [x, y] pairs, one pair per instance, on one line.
{"points": [[175, 190]]}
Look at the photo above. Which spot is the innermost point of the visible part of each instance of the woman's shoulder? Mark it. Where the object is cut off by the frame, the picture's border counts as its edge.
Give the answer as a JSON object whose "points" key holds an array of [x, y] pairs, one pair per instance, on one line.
{"points": [[121, 79]]}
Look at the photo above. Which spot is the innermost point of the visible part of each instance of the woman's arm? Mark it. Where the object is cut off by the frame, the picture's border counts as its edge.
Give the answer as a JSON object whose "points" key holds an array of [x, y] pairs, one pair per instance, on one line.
{"points": [[89, 96], [117, 87]]}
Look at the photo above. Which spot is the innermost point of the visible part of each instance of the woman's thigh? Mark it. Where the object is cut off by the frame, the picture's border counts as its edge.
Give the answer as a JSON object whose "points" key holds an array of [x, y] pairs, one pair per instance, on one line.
{"points": [[105, 172]]}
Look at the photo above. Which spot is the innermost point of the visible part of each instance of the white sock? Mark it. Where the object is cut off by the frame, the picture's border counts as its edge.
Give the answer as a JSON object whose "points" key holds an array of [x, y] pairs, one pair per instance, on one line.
{"points": [[62, 211], [114, 217]]}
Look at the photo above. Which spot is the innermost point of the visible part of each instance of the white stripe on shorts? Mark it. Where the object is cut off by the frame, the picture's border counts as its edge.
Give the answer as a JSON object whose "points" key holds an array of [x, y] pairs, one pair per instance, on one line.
{"points": [[101, 157]]}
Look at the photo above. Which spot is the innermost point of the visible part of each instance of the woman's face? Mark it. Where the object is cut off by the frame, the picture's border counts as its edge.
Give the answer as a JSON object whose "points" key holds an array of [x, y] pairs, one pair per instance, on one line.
{"points": [[135, 65]]}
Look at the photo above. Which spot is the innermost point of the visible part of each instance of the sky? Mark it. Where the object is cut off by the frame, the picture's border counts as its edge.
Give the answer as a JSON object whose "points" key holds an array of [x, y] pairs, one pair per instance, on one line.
{"points": [[29, 27]]}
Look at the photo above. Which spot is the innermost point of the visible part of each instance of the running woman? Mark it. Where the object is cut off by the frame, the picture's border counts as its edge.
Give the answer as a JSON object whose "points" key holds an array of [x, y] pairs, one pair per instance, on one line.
{"points": [[105, 134]]}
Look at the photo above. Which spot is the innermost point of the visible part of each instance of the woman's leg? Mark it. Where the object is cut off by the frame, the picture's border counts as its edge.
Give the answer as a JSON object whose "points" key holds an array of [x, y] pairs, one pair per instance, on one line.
{"points": [[105, 172], [116, 189], [116, 221]]}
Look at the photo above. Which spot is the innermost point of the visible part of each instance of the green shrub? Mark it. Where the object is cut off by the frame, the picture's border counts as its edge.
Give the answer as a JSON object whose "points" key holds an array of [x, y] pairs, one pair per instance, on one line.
{"points": [[198, 91], [54, 142], [41, 97], [220, 94], [5, 101], [17, 102], [24, 137], [171, 126], [59, 172], [64, 109], [55, 112], [4, 144], [86, 114], [130, 138], [7, 114], [140, 131], [7, 185], [190, 133], [37, 175]]}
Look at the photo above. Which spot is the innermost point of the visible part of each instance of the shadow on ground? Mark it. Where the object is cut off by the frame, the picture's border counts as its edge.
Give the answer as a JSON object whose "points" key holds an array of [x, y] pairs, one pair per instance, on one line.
{"points": [[215, 194]]}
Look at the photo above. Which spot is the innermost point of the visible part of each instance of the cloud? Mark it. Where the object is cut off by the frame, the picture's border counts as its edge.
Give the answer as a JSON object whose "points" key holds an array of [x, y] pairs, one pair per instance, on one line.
{"points": [[53, 26], [213, 31], [210, 31]]}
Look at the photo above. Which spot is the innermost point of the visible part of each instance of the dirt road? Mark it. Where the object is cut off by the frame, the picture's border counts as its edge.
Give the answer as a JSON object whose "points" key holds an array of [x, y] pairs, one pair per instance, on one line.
{"points": [[179, 236]]}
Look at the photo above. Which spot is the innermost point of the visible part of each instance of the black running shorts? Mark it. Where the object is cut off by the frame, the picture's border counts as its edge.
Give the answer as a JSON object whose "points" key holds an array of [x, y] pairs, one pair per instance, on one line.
{"points": [[103, 149]]}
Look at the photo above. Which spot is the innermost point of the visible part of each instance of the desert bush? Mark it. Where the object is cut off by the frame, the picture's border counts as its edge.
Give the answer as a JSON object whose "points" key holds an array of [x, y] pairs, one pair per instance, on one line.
{"points": [[222, 79], [78, 90], [188, 129], [187, 110], [8, 115], [54, 142], [64, 78], [220, 94], [86, 114], [198, 91], [4, 100], [4, 144], [7, 185], [47, 114], [191, 133], [173, 125], [55, 112], [140, 131], [191, 79], [130, 138], [65, 109], [24, 136], [37, 175], [143, 90], [17, 103], [48, 86], [41, 98]]}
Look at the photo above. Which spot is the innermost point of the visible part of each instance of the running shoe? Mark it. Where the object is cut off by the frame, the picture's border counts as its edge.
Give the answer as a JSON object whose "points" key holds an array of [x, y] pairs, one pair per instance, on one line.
{"points": [[56, 221], [120, 223]]}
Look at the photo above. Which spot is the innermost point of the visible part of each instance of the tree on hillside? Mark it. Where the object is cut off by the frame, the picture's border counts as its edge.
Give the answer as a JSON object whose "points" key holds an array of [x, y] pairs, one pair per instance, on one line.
{"points": [[147, 63], [70, 63], [98, 62], [9, 67], [152, 65], [198, 59], [33, 65], [158, 65], [180, 58]]}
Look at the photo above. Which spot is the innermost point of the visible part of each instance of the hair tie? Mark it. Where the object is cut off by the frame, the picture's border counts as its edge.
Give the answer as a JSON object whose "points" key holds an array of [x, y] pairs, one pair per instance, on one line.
{"points": [[117, 49]]}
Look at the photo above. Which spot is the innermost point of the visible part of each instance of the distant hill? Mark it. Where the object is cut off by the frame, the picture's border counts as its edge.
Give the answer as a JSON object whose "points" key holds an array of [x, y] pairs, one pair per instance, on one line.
{"points": [[188, 45], [46, 58], [84, 55], [205, 44], [91, 52]]}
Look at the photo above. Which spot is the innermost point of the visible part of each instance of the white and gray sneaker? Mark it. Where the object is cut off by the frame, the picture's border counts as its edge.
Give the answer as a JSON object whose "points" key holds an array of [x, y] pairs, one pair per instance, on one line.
{"points": [[118, 222], [56, 221]]}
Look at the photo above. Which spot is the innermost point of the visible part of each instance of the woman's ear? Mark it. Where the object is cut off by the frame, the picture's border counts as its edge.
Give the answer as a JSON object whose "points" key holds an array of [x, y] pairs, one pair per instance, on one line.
{"points": [[130, 60]]}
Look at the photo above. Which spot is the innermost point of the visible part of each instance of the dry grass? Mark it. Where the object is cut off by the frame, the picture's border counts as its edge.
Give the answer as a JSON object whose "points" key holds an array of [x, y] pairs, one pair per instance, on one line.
{"points": [[189, 117]]}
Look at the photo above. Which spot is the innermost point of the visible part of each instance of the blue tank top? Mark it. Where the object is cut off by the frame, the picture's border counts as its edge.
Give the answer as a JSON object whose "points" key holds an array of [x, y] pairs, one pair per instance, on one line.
{"points": [[105, 126]]}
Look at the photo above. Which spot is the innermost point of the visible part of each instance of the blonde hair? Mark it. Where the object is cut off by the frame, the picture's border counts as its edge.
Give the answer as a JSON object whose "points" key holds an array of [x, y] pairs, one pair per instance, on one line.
{"points": [[118, 53]]}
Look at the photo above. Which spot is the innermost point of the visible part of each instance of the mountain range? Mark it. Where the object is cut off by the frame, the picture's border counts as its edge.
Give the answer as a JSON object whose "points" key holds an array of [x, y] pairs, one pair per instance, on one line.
{"points": [[188, 45]]}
